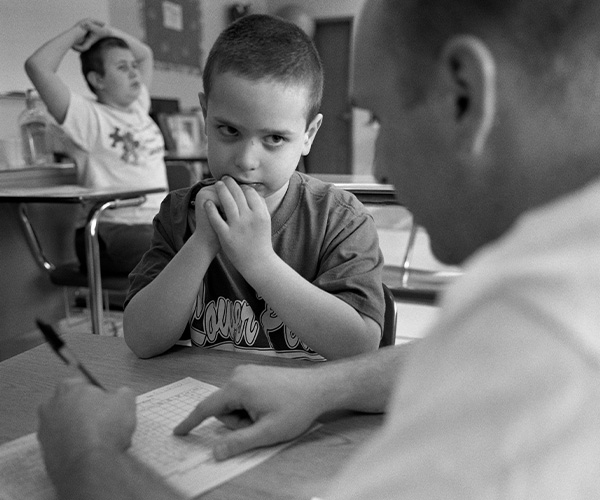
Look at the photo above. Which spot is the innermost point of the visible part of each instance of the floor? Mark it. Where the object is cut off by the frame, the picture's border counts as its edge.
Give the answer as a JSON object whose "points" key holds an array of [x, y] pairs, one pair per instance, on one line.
{"points": [[393, 225]]}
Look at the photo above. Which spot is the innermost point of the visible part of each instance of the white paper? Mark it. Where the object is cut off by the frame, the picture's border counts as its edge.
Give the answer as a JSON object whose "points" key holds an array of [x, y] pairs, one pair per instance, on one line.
{"points": [[186, 462]]}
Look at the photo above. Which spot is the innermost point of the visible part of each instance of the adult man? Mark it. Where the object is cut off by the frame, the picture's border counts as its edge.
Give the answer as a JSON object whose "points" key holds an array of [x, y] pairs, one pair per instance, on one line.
{"points": [[490, 115]]}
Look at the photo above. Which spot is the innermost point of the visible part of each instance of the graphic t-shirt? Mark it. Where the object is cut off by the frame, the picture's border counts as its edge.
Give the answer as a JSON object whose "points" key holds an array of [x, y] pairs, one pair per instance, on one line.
{"points": [[117, 148]]}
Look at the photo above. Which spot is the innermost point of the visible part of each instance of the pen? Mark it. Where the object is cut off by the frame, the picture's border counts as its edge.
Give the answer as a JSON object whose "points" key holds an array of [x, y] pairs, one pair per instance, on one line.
{"points": [[64, 353]]}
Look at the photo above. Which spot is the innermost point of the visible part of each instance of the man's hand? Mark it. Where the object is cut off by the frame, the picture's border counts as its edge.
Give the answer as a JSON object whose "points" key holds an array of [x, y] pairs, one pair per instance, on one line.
{"points": [[80, 418], [263, 405], [244, 227]]}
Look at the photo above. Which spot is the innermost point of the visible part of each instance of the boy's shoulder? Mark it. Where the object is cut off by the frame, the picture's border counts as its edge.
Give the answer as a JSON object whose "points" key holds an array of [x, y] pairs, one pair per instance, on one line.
{"points": [[185, 198], [318, 188]]}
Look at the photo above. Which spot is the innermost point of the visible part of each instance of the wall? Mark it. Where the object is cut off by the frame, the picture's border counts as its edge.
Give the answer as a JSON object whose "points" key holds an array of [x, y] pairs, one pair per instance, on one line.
{"points": [[124, 14], [26, 24]]}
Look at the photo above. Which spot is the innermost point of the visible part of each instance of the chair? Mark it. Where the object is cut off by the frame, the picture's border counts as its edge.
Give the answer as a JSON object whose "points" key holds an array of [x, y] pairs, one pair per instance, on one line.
{"points": [[416, 285], [179, 174], [69, 275], [389, 319]]}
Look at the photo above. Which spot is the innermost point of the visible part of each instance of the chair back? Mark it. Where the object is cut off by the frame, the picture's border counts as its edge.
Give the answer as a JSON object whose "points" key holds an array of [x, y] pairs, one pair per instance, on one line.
{"points": [[389, 320]]}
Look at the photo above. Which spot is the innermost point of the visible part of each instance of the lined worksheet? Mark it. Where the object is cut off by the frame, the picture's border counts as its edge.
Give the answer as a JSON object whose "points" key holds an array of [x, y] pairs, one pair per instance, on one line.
{"points": [[186, 462]]}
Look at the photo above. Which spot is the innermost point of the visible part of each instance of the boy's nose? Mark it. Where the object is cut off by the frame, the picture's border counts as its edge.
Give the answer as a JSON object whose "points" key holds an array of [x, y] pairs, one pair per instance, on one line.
{"points": [[247, 157]]}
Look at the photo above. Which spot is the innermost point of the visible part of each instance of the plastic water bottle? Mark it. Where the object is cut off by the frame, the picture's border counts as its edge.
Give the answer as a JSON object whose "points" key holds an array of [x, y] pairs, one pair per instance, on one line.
{"points": [[34, 123]]}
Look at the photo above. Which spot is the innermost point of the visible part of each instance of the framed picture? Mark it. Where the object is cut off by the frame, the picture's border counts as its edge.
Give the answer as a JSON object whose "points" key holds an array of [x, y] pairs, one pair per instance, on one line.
{"points": [[183, 133]]}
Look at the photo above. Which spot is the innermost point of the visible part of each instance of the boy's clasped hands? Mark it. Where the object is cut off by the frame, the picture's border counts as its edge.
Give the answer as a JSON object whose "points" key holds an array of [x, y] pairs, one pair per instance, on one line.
{"points": [[235, 218], [93, 30]]}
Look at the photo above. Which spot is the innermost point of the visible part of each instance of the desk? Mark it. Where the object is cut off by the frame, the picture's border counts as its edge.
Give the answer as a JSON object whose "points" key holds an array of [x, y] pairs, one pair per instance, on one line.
{"points": [[301, 470], [99, 200], [365, 187]]}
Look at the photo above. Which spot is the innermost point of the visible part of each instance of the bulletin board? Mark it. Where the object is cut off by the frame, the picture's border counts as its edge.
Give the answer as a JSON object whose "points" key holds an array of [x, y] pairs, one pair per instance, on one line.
{"points": [[172, 30]]}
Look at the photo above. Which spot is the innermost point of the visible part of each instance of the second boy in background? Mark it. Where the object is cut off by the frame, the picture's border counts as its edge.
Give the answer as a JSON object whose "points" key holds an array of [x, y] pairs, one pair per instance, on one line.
{"points": [[115, 142], [265, 259]]}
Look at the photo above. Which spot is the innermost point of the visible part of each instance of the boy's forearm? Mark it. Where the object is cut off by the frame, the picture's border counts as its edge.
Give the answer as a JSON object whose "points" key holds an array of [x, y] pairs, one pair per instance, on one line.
{"points": [[49, 56], [327, 324], [156, 316], [141, 52]]}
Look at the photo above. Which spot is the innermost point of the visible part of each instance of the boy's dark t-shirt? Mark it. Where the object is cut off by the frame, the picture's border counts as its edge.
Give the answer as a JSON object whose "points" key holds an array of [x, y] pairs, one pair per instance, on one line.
{"points": [[324, 233]]}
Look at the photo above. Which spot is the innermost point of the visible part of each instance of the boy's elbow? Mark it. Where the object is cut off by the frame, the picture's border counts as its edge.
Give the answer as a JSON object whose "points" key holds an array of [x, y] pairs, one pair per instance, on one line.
{"points": [[29, 66], [372, 335], [136, 340], [34, 69], [141, 350], [367, 341]]}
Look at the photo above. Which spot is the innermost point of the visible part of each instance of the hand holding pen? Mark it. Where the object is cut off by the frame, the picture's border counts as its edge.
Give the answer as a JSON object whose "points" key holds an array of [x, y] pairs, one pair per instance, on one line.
{"points": [[64, 353]]}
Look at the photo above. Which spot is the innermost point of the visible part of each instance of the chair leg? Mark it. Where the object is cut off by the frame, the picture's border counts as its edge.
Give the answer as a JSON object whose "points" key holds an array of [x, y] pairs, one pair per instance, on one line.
{"points": [[408, 254], [66, 303]]}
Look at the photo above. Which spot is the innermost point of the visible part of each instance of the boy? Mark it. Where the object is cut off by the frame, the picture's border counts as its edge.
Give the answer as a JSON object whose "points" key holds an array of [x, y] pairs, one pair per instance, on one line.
{"points": [[116, 141], [265, 259]]}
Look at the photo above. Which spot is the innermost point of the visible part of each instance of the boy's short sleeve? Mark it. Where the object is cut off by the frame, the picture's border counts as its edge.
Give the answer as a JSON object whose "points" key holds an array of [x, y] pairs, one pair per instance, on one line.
{"points": [[81, 122], [351, 267], [331, 239], [169, 235]]}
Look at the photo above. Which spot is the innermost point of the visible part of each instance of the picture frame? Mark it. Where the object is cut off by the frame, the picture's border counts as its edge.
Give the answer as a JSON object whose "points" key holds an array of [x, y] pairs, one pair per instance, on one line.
{"points": [[183, 133]]}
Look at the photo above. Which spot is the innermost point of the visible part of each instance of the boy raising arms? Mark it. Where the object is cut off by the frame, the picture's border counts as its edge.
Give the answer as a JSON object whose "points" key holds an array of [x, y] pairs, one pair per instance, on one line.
{"points": [[117, 143], [265, 259]]}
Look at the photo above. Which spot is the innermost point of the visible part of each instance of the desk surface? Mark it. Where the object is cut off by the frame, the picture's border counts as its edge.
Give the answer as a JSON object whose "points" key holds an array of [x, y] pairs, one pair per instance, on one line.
{"points": [[365, 187], [69, 193], [301, 470]]}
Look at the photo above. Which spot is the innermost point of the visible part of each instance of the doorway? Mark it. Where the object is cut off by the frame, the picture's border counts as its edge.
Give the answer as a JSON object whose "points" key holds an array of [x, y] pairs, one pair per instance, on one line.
{"points": [[331, 152]]}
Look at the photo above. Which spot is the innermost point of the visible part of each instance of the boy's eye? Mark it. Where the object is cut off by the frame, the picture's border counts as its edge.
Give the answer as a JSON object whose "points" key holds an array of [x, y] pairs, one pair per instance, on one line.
{"points": [[227, 131], [275, 140]]}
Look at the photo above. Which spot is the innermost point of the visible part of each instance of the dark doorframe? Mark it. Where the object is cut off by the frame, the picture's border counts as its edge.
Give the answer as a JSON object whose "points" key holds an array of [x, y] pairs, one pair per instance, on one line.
{"points": [[331, 152]]}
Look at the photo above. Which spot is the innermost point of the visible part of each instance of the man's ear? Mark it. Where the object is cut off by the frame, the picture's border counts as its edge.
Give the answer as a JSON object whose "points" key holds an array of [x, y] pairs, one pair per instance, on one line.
{"points": [[469, 70], [311, 132]]}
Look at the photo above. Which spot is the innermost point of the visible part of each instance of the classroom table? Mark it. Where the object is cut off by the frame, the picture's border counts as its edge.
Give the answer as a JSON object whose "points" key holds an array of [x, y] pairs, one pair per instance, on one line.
{"points": [[300, 471], [98, 200]]}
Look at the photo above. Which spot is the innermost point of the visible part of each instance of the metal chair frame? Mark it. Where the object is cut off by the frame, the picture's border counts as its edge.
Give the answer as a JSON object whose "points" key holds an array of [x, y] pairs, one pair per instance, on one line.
{"points": [[94, 277]]}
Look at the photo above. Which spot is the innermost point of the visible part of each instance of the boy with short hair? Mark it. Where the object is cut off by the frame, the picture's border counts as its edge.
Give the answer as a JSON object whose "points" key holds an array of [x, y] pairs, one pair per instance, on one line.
{"points": [[264, 259], [116, 142]]}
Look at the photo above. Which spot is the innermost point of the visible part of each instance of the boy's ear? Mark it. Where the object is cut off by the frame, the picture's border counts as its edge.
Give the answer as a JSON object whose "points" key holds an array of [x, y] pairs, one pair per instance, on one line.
{"points": [[202, 99], [469, 73], [95, 80], [311, 132]]}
